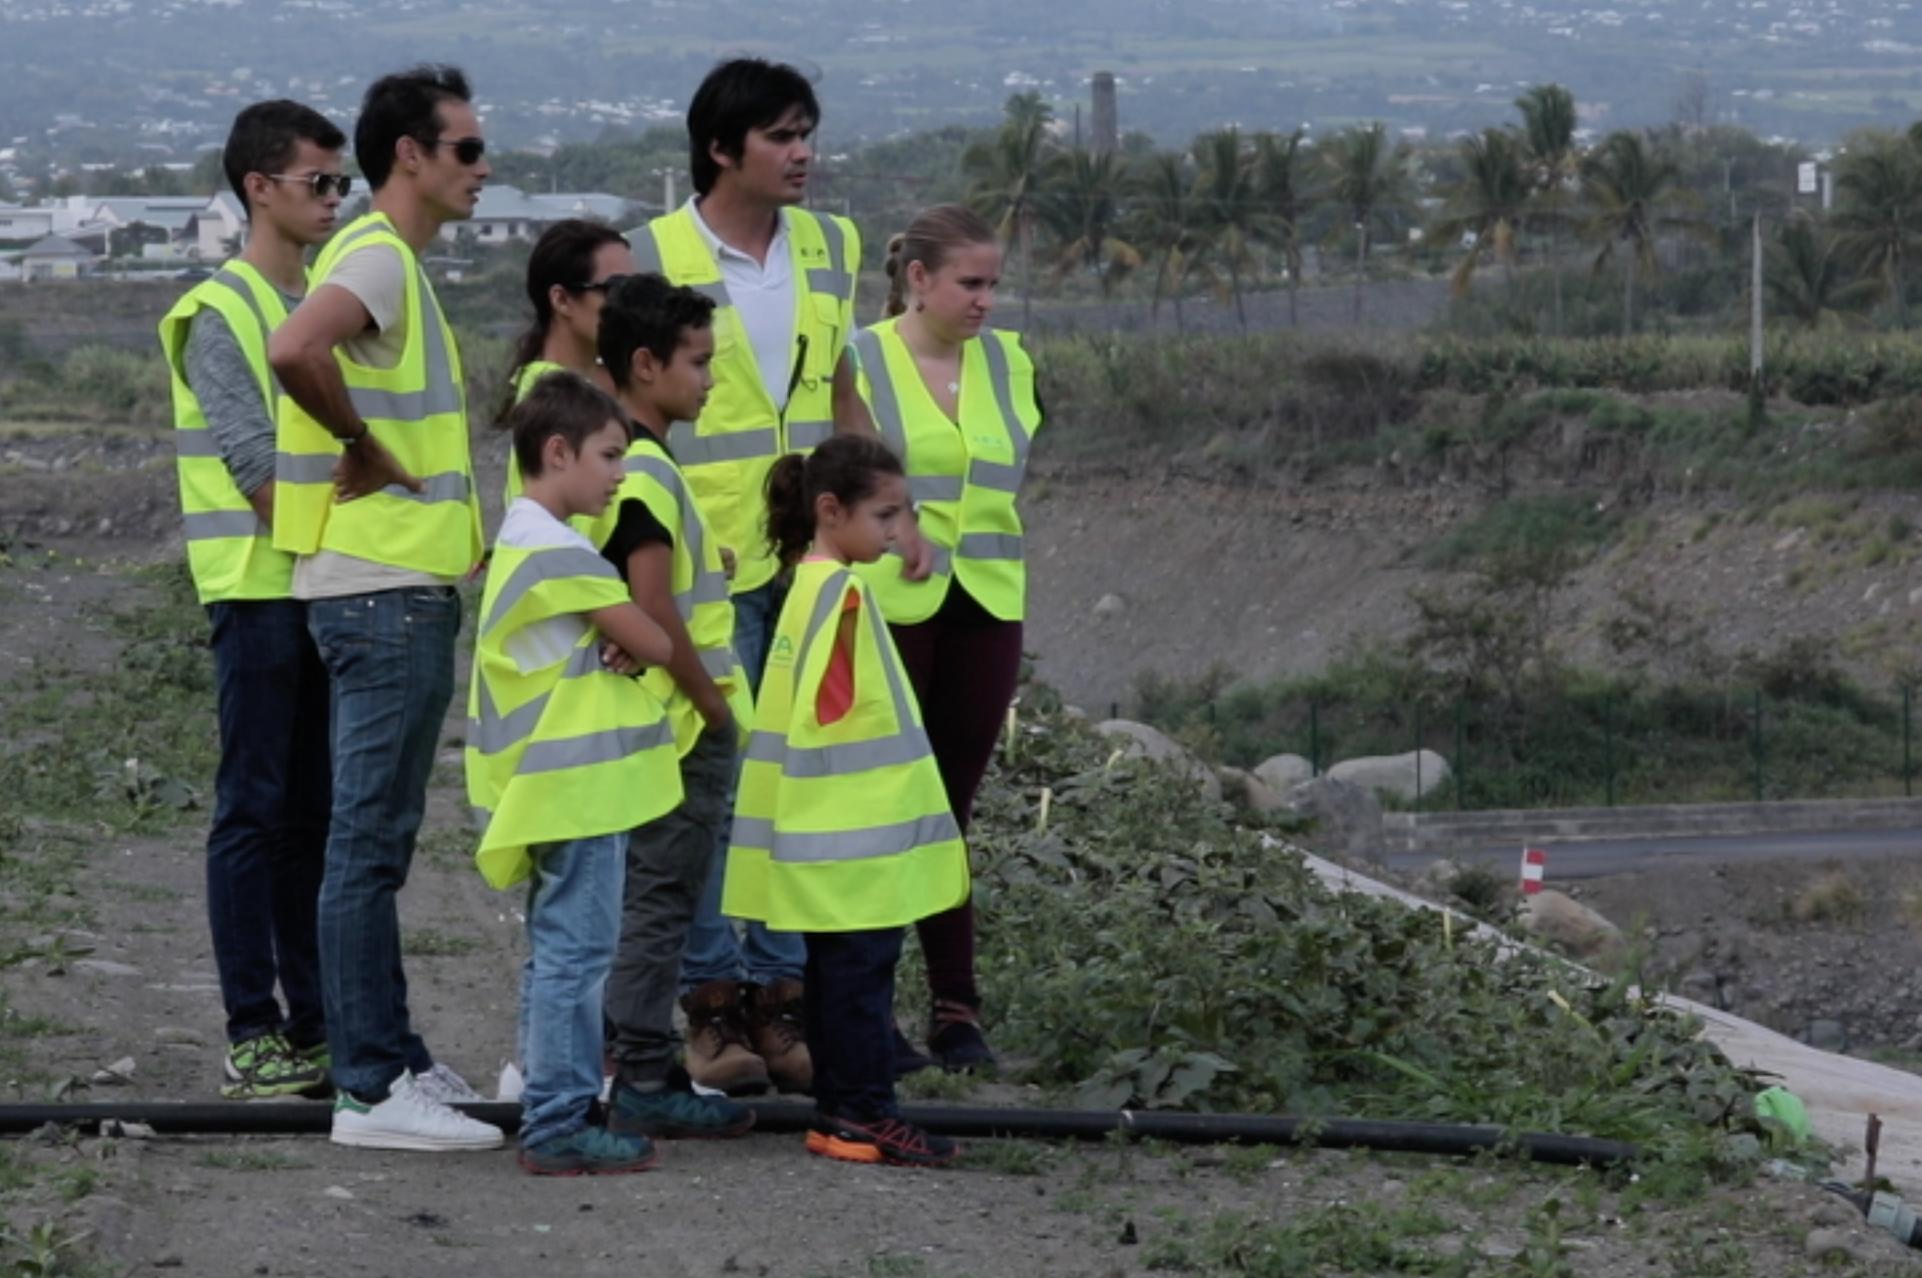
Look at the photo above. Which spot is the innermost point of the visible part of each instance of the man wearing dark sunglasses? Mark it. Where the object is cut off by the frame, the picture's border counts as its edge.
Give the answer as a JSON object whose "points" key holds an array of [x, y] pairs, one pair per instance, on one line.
{"points": [[375, 497], [269, 832]]}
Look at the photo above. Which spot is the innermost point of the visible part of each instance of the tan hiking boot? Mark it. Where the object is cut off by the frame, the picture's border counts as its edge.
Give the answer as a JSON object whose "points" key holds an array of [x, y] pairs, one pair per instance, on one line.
{"points": [[775, 1025], [718, 1054]]}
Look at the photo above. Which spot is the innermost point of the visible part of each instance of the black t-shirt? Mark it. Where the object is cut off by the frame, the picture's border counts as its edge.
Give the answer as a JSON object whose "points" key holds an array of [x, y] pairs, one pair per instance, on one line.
{"points": [[634, 524]]}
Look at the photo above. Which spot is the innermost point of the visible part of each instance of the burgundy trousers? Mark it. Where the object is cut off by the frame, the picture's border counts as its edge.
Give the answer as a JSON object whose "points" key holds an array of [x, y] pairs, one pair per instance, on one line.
{"points": [[964, 664]]}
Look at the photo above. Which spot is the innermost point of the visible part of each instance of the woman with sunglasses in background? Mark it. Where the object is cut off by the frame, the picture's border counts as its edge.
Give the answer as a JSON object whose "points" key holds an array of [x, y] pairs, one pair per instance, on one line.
{"points": [[573, 265]]}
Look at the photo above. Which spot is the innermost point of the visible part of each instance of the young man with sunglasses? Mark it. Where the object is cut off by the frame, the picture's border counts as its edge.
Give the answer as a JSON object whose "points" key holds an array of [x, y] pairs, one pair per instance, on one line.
{"points": [[374, 494], [269, 835], [783, 282]]}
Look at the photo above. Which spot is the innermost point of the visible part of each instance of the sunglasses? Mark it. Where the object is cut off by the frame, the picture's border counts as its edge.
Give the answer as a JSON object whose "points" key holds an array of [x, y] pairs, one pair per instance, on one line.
{"points": [[321, 184], [466, 150], [607, 285]]}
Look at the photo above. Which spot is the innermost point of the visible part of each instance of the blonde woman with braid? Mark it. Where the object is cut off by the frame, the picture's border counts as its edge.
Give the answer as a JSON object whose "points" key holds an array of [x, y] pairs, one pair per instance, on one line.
{"points": [[956, 400]]}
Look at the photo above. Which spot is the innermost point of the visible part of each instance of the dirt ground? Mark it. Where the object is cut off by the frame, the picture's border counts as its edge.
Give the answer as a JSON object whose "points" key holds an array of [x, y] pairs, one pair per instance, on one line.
{"points": [[113, 964]]}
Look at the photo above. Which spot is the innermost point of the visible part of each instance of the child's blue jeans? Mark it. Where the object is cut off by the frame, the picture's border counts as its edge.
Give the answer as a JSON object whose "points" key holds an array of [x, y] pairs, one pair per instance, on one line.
{"points": [[573, 925]]}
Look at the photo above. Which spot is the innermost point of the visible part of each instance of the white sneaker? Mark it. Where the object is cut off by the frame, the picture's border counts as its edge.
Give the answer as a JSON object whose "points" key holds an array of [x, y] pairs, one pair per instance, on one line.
{"points": [[409, 1119], [511, 1084], [442, 1084]]}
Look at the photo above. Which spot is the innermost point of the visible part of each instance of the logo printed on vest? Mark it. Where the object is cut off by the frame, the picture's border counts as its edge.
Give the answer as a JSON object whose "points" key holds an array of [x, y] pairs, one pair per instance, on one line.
{"points": [[782, 652]]}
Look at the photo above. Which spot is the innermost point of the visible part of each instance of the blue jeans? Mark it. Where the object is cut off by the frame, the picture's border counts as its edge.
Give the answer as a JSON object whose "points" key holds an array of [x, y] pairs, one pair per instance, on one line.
{"points": [[573, 925], [390, 656], [714, 952], [268, 844]]}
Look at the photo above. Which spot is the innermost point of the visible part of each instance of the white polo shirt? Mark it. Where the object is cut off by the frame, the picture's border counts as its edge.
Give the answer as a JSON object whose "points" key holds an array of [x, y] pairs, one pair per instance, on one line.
{"points": [[763, 298]]}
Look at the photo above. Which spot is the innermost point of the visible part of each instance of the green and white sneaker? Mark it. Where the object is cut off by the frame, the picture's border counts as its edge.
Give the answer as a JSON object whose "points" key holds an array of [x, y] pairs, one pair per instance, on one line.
{"points": [[265, 1067], [408, 1119]]}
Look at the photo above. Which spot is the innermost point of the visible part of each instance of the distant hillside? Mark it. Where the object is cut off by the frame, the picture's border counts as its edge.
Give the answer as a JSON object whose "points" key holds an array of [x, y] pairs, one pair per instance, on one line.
{"points": [[107, 79]]}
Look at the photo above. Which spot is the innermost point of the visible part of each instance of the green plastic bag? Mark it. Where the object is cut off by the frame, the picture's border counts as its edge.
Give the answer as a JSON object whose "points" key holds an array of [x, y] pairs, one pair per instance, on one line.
{"points": [[1784, 1115]]}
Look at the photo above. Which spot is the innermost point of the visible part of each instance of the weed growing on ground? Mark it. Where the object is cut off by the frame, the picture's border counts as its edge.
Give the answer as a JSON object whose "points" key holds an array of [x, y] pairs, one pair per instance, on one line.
{"points": [[427, 942], [1149, 953], [250, 1160]]}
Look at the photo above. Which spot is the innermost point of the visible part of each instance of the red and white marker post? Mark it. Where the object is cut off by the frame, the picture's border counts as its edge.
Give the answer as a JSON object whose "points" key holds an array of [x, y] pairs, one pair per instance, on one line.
{"points": [[1534, 870]]}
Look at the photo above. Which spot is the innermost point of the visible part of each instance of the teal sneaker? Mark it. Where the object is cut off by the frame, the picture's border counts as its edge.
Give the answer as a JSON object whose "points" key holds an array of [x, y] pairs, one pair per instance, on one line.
{"points": [[676, 1112], [264, 1067], [590, 1151]]}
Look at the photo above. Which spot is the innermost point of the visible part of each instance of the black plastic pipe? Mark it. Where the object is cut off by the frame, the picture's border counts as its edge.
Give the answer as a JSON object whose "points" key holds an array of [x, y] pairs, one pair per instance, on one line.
{"points": [[300, 1118]]}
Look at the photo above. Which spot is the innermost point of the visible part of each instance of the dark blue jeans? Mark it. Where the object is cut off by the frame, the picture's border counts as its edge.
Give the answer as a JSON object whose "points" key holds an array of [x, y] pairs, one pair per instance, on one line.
{"points": [[714, 952], [390, 656], [848, 1007], [267, 847]]}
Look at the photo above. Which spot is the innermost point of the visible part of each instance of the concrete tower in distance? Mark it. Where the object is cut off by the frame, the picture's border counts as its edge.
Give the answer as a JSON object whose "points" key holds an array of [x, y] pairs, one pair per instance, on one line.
{"points": [[1107, 121]]}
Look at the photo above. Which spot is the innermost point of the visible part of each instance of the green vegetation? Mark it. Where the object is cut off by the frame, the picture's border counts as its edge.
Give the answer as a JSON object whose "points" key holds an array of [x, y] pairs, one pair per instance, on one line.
{"points": [[1145, 952]]}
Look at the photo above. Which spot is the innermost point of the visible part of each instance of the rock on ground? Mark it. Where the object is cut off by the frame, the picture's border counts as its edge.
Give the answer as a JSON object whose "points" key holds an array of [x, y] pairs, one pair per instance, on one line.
{"points": [[1145, 742], [1283, 772], [1571, 927], [1396, 773], [1347, 817]]}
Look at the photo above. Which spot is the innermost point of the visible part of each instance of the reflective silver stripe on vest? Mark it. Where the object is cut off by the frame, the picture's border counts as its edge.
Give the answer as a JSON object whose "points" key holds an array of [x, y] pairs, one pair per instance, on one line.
{"points": [[830, 283], [449, 485], [887, 405], [702, 450], [647, 251], [999, 476], [715, 291], [545, 565], [213, 524], [935, 487], [847, 845], [585, 751], [494, 732], [907, 743], [719, 662], [990, 546], [707, 587], [809, 434], [836, 240], [195, 443], [943, 560], [305, 468]]}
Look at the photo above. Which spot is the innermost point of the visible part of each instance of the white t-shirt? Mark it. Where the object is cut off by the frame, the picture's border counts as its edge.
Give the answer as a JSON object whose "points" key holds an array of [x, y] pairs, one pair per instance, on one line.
{"points": [[529, 525], [375, 275], [763, 297]]}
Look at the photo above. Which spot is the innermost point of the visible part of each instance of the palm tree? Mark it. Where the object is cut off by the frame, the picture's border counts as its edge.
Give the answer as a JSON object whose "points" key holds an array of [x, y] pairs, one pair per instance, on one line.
{"points": [[1007, 174], [1807, 277], [1369, 179], [1548, 128], [1281, 184], [1488, 202], [1082, 208], [1633, 193], [1164, 224], [1230, 215], [1879, 215]]}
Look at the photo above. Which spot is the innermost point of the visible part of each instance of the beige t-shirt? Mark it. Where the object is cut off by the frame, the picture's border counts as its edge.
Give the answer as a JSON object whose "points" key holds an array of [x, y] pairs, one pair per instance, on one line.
{"points": [[376, 275]]}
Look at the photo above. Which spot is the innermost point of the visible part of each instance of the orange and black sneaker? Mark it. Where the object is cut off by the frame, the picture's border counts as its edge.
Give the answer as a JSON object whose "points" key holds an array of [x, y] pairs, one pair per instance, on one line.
{"points": [[894, 1141]]}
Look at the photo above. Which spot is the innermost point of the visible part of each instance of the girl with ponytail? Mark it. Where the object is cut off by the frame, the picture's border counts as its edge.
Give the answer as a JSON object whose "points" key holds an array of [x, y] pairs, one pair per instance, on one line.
{"points": [[842, 829]]}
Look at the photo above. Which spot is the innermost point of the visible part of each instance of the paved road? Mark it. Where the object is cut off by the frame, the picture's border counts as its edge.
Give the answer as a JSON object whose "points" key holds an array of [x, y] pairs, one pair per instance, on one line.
{"points": [[1589, 860]]}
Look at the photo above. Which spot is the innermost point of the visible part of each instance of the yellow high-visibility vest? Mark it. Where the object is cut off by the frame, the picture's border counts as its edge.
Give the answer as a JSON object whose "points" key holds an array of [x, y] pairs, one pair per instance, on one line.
{"points": [[530, 373], [229, 551], [964, 477], [697, 580], [842, 826], [728, 452], [569, 750], [418, 409]]}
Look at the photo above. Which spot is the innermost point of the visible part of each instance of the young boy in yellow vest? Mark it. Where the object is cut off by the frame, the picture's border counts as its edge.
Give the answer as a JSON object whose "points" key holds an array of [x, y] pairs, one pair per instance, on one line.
{"points": [[842, 830], [566, 755], [266, 850], [656, 341]]}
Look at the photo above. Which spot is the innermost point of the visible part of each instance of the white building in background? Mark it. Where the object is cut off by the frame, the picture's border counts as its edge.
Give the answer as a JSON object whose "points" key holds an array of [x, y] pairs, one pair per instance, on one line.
{"points": [[507, 213]]}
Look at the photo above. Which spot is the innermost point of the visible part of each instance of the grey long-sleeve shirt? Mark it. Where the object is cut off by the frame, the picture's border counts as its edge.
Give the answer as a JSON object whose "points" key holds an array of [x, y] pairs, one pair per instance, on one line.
{"points": [[229, 394]]}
